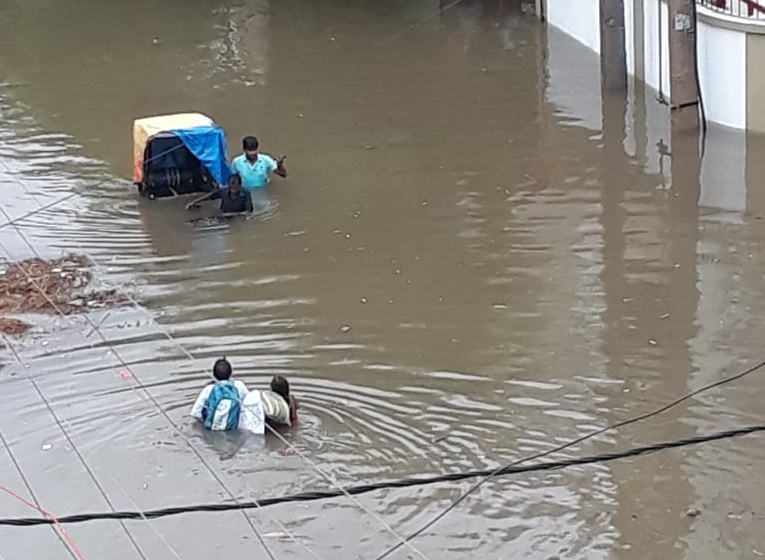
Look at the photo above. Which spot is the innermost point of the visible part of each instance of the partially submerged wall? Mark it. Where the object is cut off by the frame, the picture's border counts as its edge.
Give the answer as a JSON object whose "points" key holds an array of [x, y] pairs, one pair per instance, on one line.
{"points": [[730, 49]]}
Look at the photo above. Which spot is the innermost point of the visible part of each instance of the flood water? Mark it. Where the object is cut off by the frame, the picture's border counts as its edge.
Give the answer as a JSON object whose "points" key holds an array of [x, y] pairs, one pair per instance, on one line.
{"points": [[470, 262]]}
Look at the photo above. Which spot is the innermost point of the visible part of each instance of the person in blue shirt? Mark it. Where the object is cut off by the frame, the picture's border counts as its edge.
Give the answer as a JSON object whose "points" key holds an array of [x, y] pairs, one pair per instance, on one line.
{"points": [[254, 167]]}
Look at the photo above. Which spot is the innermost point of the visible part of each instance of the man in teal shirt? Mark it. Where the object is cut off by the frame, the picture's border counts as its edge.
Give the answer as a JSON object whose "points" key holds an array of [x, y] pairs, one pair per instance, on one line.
{"points": [[255, 168]]}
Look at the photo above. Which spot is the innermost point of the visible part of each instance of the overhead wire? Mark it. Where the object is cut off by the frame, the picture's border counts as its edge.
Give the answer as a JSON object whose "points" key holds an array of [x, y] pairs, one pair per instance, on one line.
{"points": [[190, 356], [757, 366], [76, 450], [404, 541], [404, 31], [69, 435], [43, 207], [70, 545], [38, 210], [304, 497], [96, 329], [276, 433], [124, 364], [57, 530]]}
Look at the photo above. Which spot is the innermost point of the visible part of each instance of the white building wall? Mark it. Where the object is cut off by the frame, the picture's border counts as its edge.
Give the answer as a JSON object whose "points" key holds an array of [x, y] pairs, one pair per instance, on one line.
{"points": [[580, 19], [722, 54], [629, 34], [656, 26]]}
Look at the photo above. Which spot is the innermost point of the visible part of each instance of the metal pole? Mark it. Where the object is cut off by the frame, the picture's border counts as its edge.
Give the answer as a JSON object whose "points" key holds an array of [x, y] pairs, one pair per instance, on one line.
{"points": [[684, 93], [613, 54]]}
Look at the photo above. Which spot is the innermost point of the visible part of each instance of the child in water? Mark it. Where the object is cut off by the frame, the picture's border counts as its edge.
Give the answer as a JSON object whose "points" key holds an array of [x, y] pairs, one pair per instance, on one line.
{"points": [[218, 404], [274, 407], [226, 404], [279, 405]]}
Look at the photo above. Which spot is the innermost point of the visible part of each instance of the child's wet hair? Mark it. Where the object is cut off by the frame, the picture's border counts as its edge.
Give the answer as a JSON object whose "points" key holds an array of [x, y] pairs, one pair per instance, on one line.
{"points": [[222, 369], [281, 386]]}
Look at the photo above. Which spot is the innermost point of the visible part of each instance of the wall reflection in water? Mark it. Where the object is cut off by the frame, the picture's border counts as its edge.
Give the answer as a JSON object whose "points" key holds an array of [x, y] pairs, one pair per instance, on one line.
{"points": [[681, 274]]}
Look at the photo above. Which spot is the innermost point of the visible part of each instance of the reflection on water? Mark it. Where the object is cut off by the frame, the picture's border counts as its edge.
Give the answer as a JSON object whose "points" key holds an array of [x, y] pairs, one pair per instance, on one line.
{"points": [[473, 257]]}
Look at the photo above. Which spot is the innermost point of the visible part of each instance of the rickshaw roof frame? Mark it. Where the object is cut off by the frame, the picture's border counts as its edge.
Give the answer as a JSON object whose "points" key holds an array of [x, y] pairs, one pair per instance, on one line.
{"points": [[146, 128]]}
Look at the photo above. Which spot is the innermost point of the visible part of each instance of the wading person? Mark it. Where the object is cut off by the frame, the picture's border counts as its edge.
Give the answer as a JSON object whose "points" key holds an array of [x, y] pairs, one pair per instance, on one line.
{"points": [[219, 404], [275, 407], [279, 406], [233, 199], [254, 167]]}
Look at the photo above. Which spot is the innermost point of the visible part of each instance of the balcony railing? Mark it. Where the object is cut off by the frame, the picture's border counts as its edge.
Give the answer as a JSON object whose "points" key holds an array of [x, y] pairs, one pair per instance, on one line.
{"points": [[738, 8]]}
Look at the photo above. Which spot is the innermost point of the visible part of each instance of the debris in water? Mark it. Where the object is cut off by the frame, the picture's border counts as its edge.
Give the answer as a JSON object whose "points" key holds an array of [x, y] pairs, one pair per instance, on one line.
{"points": [[275, 535], [347, 235], [124, 374], [500, 306], [693, 512], [364, 300], [9, 325], [665, 316], [345, 328], [652, 342], [47, 446], [56, 286]]}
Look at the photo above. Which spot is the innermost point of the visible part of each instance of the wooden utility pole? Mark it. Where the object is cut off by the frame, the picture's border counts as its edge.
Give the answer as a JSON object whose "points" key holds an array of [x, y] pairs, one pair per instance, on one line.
{"points": [[613, 54], [684, 93]]}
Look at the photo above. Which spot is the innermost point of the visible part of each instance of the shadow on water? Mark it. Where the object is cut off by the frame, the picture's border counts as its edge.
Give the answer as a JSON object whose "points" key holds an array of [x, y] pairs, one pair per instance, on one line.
{"points": [[476, 253]]}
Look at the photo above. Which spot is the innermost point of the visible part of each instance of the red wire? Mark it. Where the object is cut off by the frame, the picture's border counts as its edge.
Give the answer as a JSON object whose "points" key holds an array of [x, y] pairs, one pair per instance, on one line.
{"points": [[59, 527]]}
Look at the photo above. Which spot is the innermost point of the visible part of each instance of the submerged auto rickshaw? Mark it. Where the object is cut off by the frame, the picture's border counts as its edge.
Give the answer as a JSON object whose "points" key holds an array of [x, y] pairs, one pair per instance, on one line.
{"points": [[178, 154]]}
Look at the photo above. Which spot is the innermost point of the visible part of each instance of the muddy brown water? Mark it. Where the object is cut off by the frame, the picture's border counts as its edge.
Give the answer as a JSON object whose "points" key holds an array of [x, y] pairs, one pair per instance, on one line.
{"points": [[517, 267]]}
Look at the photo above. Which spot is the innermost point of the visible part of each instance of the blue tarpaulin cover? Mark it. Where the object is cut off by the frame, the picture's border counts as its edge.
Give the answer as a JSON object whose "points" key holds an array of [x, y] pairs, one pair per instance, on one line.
{"points": [[208, 144]]}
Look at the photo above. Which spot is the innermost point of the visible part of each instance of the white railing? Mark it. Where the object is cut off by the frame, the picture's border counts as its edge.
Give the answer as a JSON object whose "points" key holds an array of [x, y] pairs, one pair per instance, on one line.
{"points": [[747, 9]]}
